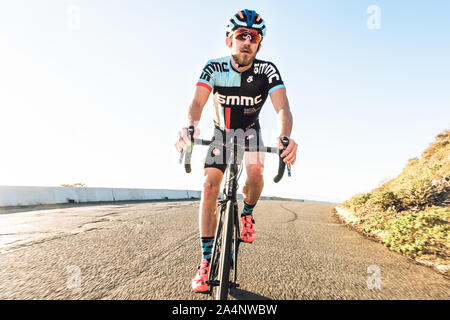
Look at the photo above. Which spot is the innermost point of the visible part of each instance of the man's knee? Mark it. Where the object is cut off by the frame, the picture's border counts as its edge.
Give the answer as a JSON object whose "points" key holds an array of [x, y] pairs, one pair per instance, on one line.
{"points": [[211, 185], [255, 172]]}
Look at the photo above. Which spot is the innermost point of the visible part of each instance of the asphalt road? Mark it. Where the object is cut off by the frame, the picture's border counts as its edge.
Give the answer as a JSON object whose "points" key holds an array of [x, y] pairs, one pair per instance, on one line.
{"points": [[151, 251]]}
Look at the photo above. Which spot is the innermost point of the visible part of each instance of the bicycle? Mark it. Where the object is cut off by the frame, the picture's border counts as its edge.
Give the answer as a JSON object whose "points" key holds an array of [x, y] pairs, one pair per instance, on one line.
{"points": [[227, 240]]}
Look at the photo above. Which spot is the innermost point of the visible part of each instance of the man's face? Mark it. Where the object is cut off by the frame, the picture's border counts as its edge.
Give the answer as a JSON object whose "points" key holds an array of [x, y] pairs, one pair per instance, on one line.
{"points": [[243, 46]]}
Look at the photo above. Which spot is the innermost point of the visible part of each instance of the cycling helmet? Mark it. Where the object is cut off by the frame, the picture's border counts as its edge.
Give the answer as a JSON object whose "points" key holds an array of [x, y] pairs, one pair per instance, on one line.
{"points": [[248, 19]]}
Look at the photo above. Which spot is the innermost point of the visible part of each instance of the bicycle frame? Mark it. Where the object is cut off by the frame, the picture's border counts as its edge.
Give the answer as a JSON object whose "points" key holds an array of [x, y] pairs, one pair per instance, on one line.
{"points": [[227, 235]]}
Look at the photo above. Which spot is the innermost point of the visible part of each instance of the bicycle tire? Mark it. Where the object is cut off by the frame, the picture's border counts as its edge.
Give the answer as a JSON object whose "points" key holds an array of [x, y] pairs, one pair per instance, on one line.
{"points": [[216, 252], [225, 257], [235, 243]]}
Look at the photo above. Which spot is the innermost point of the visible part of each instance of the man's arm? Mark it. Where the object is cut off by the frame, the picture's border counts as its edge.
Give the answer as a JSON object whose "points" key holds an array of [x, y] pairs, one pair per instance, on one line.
{"points": [[281, 104], [195, 109], [194, 114]]}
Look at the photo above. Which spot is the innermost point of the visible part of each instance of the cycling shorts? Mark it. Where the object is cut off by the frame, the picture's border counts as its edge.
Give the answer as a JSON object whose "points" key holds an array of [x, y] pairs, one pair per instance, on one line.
{"points": [[218, 155]]}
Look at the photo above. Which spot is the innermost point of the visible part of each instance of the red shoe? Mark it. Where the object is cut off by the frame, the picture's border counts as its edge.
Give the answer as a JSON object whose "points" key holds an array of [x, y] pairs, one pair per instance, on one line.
{"points": [[199, 282], [248, 229]]}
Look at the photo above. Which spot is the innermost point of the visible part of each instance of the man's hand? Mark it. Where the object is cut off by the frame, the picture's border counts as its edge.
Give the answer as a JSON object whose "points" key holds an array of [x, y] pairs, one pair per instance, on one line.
{"points": [[291, 151], [184, 139]]}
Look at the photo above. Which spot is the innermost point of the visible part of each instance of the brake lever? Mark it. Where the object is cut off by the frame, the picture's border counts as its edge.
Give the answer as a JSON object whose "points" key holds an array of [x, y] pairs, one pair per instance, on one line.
{"points": [[285, 142]]}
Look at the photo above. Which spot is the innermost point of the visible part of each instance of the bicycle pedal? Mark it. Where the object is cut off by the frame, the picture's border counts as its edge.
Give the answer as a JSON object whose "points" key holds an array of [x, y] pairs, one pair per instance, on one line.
{"points": [[213, 283], [209, 292], [234, 285]]}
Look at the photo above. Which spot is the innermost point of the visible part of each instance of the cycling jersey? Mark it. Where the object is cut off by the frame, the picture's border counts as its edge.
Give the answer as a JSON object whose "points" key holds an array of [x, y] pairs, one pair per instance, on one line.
{"points": [[238, 96]]}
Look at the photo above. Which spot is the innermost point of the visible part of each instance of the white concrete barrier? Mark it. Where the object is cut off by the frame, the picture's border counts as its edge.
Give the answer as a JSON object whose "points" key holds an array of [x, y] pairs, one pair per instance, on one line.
{"points": [[26, 196], [12, 196]]}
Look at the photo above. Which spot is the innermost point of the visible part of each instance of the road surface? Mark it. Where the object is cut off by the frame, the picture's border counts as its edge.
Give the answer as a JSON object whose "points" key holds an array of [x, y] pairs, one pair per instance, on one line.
{"points": [[151, 251]]}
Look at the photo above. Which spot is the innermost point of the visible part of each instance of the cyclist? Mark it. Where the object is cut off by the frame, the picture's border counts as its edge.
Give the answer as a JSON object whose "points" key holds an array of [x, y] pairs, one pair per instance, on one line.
{"points": [[240, 85]]}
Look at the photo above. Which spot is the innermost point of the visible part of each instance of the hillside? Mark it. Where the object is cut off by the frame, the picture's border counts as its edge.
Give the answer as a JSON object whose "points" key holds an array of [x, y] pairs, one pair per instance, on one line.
{"points": [[410, 214]]}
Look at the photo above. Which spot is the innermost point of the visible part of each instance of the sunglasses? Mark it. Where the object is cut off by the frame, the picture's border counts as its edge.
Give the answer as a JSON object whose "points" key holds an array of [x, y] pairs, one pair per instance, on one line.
{"points": [[244, 34]]}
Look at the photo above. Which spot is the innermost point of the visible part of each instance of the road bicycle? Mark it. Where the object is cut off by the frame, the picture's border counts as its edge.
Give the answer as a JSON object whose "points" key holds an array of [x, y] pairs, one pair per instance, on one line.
{"points": [[223, 270]]}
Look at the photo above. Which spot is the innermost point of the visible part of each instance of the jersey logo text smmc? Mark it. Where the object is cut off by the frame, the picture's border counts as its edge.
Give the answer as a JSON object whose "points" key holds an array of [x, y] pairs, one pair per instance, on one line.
{"points": [[268, 69], [238, 100]]}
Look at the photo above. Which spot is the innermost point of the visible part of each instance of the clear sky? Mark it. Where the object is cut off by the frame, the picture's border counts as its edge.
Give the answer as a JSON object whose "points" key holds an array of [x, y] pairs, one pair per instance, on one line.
{"points": [[95, 91]]}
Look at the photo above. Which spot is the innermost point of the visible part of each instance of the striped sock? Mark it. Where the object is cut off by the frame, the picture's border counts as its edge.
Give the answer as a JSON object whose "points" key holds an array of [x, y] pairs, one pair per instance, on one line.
{"points": [[248, 209], [207, 244]]}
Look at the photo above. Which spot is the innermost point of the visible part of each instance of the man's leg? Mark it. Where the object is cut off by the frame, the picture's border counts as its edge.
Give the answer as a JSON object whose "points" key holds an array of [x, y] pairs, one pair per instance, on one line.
{"points": [[254, 163], [207, 223], [208, 202]]}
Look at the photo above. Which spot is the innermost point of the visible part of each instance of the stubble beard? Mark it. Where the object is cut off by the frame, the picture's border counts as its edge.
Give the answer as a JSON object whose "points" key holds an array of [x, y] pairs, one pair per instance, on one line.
{"points": [[243, 60]]}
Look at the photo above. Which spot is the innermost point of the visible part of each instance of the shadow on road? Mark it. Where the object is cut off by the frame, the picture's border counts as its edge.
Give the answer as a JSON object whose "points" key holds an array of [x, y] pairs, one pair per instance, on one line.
{"points": [[246, 295]]}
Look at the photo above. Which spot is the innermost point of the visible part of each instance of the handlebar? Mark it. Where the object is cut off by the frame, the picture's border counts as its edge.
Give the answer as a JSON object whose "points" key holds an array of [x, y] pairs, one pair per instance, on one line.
{"points": [[281, 164]]}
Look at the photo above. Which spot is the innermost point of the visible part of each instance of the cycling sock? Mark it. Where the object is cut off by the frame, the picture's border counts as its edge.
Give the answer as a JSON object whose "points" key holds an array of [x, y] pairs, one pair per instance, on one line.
{"points": [[248, 209], [207, 244]]}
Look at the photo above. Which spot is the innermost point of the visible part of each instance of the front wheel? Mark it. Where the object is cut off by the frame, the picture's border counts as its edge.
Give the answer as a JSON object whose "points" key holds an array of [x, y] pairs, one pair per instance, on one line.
{"points": [[226, 255]]}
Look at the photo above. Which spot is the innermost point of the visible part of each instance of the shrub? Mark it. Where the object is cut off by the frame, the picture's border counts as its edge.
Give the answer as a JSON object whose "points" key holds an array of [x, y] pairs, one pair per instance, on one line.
{"points": [[416, 233], [384, 200], [420, 195], [74, 185]]}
